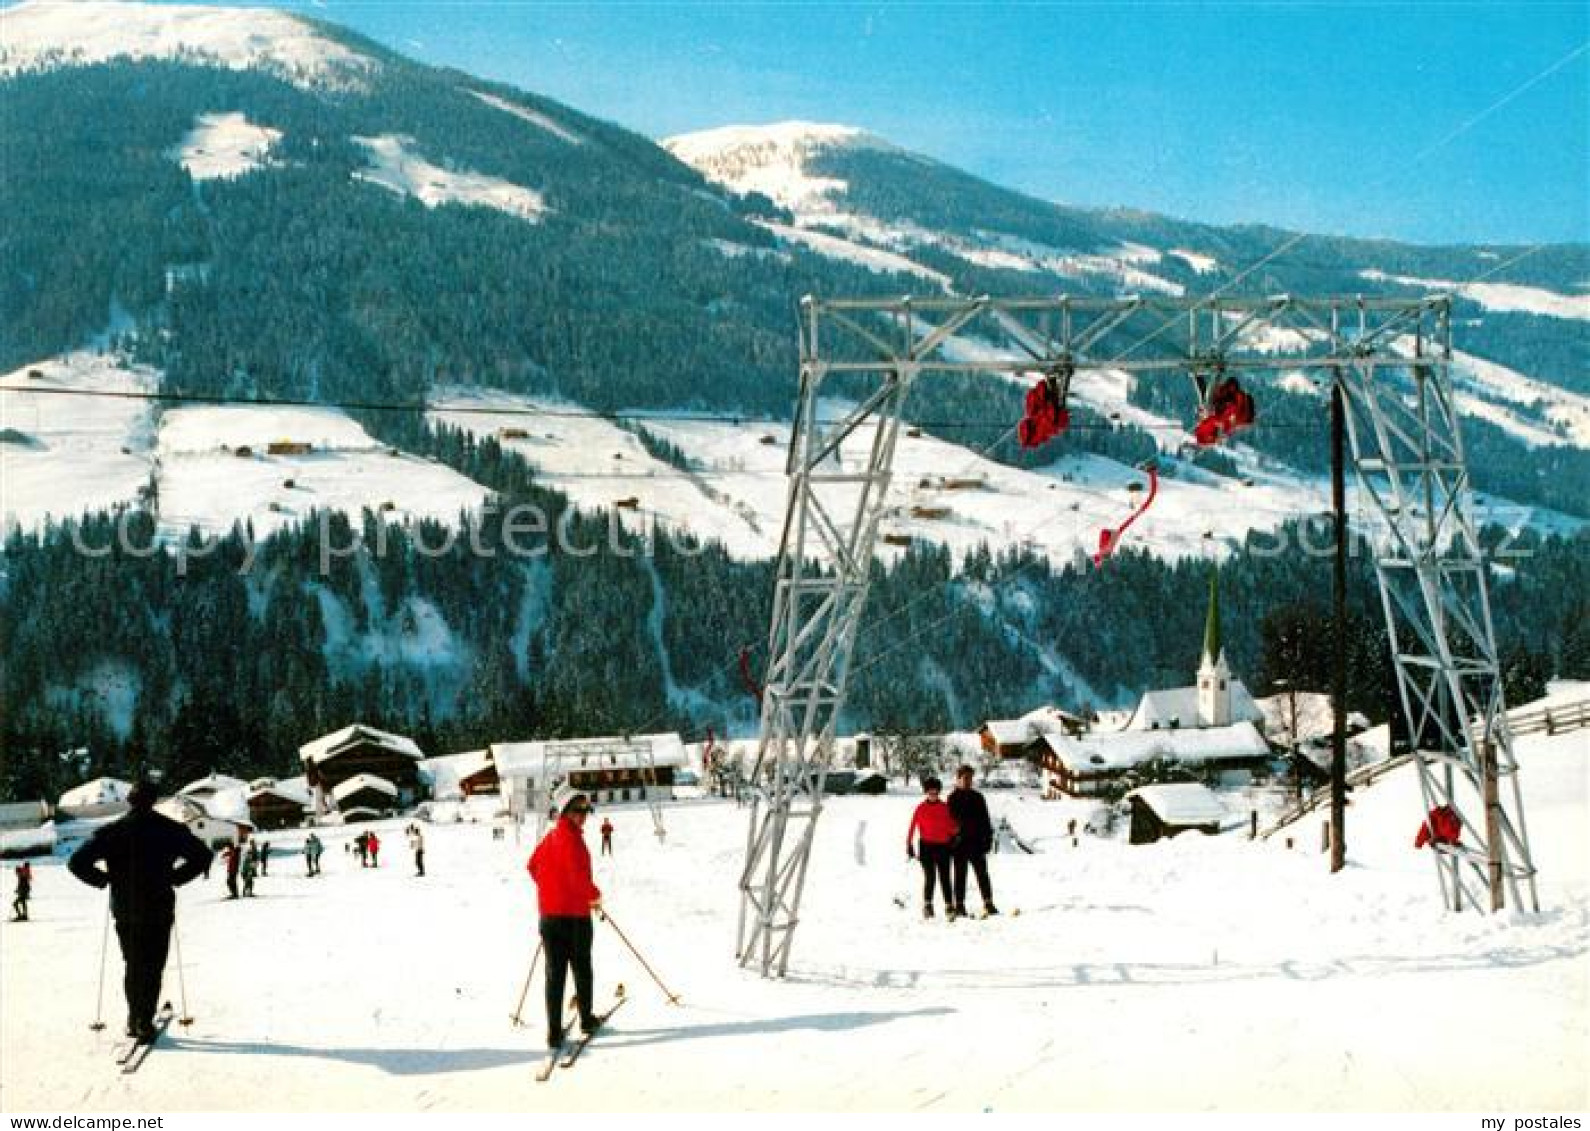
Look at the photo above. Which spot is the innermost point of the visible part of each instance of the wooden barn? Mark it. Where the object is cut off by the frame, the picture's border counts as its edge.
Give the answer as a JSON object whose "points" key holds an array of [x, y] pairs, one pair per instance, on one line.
{"points": [[275, 806], [365, 793], [358, 749], [1161, 811]]}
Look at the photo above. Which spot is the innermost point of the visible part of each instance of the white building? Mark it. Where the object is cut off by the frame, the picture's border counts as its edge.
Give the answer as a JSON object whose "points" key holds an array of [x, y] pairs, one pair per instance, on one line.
{"points": [[1216, 698], [611, 770]]}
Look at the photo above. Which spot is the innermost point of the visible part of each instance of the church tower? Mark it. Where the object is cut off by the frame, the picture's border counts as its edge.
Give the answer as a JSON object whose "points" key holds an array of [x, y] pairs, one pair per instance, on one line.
{"points": [[1214, 674]]}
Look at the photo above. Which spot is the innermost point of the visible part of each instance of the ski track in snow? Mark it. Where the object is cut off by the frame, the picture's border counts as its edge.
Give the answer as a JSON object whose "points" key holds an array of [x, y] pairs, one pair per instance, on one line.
{"points": [[1266, 983]]}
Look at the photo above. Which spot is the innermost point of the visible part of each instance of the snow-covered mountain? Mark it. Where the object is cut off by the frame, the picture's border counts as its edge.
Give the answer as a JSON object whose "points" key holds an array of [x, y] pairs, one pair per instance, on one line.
{"points": [[42, 34], [782, 209]]}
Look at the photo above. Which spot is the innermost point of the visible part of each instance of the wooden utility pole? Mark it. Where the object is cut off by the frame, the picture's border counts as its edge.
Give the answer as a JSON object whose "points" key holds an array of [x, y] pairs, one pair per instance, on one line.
{"points": [[1338, 826]]}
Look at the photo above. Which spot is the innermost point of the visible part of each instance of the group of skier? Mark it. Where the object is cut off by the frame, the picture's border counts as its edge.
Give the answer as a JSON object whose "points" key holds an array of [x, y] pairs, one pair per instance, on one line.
{"points": [[952, 836], [145, 855]]}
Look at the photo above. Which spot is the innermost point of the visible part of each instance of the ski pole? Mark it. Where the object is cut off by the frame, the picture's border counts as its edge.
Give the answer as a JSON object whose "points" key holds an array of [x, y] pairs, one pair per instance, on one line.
{"points": [[99, 999], [518, 1012], [673, 998], [182, 978]]}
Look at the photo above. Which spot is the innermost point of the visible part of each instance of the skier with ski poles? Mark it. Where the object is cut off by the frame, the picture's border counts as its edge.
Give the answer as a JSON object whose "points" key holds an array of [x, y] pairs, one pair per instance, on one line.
{"points": [[934, 829], [142, 857], [566, 896]]}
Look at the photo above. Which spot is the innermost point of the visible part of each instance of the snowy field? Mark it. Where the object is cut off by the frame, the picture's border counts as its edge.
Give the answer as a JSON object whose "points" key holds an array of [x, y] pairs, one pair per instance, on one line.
{"points": [[736, 489], [206, 482], [1197, 974], [62, 454]]}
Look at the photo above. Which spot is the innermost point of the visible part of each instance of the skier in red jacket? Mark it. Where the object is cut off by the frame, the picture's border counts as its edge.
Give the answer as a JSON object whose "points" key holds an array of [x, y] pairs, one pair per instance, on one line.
{"points": [[566, 895], [935, 831]]}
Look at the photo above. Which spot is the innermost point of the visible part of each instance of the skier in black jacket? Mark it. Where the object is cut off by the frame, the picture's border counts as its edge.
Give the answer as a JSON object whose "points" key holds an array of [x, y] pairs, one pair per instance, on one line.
{"points": [[974, 843], [145, 856]]}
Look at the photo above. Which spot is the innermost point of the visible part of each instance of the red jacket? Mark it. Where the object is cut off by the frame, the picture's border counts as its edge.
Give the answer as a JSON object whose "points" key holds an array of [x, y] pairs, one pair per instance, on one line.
{"points": [[933, 822], [1443, 827], [561, 869]]}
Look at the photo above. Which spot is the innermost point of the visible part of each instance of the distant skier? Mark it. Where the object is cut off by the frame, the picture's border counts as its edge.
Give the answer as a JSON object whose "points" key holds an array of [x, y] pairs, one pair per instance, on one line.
{"points": [[19, 905], [372, 845], [312, 850], [248, 871], [361, 845], [934, 828], [973, 842], [607, 837], [264, 858], [566, 896], [417, 843], [234, 859], [145, 856]]}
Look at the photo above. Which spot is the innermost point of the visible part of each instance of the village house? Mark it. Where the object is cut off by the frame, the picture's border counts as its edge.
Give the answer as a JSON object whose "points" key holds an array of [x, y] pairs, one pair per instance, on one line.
{"points": [[214, 829], [1161, 811], [335, 758], [1207, 728], [611, 770], [453, 777], [1020, 738], [364, 797], [276, 804], [102, 797]]}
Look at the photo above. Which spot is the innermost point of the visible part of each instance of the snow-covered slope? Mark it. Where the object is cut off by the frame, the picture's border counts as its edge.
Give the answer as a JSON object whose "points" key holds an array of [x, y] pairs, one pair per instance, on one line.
{"points": [[212, 466], [534, 117], [775, 160], [735, 489], [772, 160], [1499, 296], [1198, 973], [225, 145], [61, 453], [217, 468], [396, 168], [45, 33]]}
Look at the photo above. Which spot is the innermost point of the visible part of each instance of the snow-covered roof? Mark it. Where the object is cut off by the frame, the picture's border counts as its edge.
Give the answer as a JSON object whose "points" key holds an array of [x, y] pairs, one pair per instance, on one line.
{"points": [[1009, 732], [1121, 750], [211, 783], [287, 791], [1182, 803], [1178, 706], [1047, 719], [529, 759], [329, 746], [196, 812], [100, 791], [442, 774], [360, 782]]}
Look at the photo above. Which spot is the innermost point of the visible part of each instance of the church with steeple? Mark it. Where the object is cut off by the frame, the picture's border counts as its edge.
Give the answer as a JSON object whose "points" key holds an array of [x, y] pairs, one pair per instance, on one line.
{"points": [[1216, 699]]}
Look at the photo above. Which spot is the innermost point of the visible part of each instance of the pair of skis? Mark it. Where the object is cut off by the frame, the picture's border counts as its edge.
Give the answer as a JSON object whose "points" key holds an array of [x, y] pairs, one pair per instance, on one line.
{"points": [[569, 1051], [131, 1054]]}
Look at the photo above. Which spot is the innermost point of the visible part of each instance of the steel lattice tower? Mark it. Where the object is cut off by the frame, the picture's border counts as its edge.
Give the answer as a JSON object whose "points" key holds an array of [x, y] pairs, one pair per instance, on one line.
{"points": [[1390, 357]]}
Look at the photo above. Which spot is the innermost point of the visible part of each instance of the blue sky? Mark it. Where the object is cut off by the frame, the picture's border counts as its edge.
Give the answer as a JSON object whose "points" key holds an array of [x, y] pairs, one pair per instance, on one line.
{"points": [[1373, 119]]}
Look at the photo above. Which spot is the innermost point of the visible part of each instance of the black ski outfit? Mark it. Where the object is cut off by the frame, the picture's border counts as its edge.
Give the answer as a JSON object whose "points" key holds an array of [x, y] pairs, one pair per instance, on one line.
{"points": [[976, 840], [145, 856]]}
